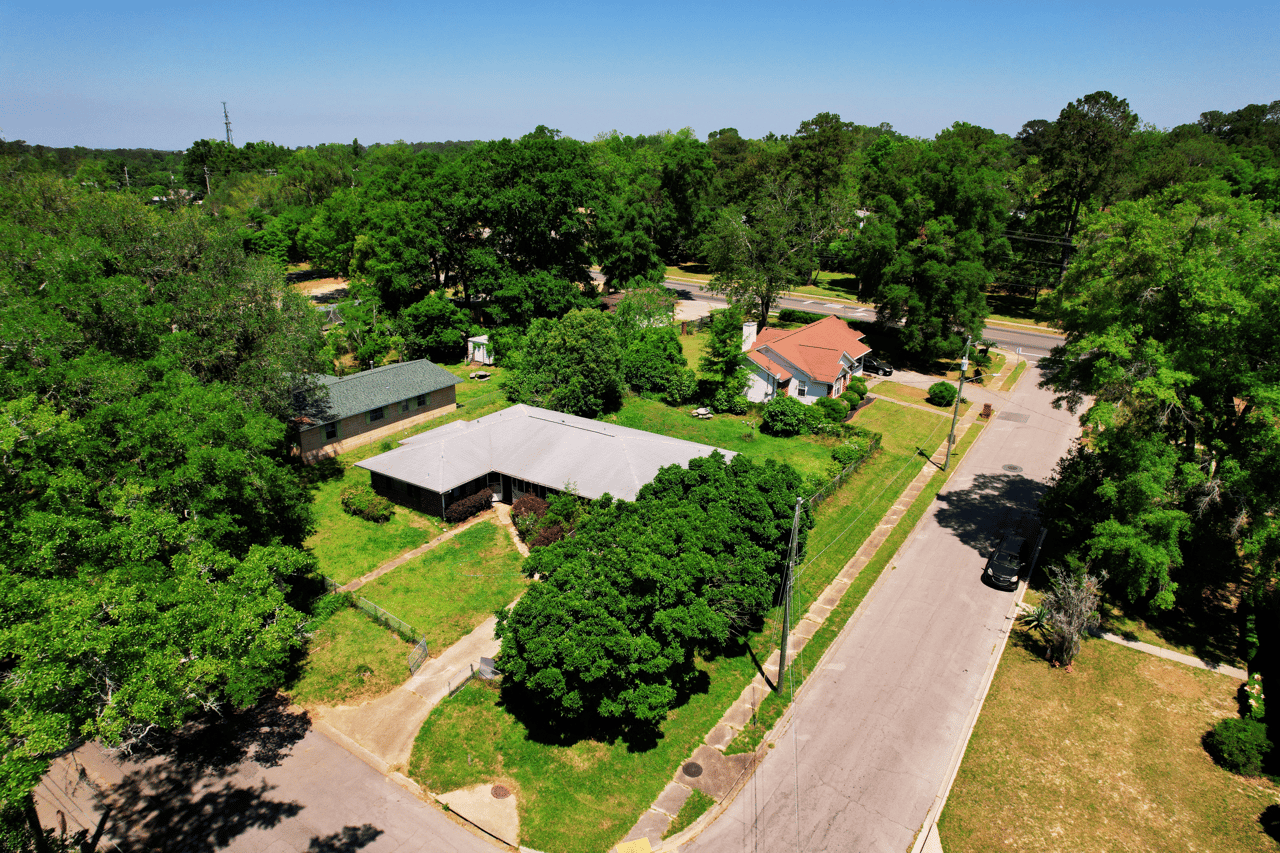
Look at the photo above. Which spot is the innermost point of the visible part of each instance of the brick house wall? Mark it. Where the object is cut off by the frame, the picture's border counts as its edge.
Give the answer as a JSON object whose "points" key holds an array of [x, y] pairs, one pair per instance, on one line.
{"points": [[340, 436]]}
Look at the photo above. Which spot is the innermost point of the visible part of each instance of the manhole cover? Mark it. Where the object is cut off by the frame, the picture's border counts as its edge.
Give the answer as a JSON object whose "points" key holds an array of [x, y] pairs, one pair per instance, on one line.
{"points": [[500, 792], [692, 769], [1014, 468]]}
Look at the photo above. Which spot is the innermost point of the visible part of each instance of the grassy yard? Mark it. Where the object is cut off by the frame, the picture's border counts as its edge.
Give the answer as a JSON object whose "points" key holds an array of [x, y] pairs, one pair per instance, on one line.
{"points": [[692, 272], [831, 285], [738, 433], [470, 739], [693, 346], [351, 659], [348, 547], [453, 587], [911, 394], [1019, 308], [1107, 757]]}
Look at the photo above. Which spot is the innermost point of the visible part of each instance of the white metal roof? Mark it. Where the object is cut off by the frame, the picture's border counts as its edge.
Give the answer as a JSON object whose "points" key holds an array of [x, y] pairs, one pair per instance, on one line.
{"points": [[541, 446]]}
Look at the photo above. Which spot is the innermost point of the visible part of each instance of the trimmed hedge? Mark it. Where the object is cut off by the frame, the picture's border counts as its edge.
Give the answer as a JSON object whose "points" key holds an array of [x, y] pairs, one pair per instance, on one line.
{"points": [[469, 506], [791, 315], [364, 502]]}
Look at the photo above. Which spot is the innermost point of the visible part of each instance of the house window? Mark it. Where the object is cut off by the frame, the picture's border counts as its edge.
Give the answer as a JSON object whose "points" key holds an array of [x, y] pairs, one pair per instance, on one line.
{"points": [[331, 431], [801, 389], [404, 406], [421, 401], [376, 414]]}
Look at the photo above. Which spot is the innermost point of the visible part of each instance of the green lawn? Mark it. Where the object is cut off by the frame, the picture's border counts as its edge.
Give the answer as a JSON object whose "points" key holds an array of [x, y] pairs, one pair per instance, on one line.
{"points": [[1107, 757], [455, 586], [832, 285], [739, 433], [912, 394], [351, 659], [348, 547], [469, 739], [693, 346], [1013, 377]]}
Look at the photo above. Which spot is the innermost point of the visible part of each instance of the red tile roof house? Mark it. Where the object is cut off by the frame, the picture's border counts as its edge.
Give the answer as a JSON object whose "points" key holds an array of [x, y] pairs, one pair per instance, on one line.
{"points": [[806, 363]]}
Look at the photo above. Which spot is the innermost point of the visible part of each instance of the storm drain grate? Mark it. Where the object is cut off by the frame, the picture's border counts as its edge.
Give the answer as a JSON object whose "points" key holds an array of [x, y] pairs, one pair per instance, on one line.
{"points": [[499, 792], [1016, 417], [1017, 469], [692, 769]]}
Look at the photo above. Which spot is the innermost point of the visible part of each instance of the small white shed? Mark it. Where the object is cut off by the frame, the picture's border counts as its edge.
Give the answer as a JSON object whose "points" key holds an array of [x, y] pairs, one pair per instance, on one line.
{"points": [[478, 350]]}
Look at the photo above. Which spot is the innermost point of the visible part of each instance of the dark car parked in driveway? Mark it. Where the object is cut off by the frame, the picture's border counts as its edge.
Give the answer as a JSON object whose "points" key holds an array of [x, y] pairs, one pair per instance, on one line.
{"points": [[872, 365], [1004, 566]]}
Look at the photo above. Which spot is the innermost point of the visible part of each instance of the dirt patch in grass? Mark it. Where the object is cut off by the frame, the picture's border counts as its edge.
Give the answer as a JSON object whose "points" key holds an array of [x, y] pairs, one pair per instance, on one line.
{"points": [[1107, 757], [350, 659]]}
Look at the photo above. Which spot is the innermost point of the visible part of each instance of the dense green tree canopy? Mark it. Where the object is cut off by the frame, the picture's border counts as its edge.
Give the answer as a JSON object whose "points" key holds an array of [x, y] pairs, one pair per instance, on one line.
{"points": [[572, 365], [151, 520], [1170, 311], [610, 635], [936, 234]]}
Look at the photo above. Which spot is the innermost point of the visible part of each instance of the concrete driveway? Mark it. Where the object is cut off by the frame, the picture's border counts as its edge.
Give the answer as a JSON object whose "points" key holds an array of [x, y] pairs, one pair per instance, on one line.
{"points": [[878, 727]]}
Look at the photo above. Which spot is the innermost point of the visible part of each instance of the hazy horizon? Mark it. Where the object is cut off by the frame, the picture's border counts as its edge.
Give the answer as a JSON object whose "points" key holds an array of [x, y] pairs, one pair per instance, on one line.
{"points": [[153, 76]]}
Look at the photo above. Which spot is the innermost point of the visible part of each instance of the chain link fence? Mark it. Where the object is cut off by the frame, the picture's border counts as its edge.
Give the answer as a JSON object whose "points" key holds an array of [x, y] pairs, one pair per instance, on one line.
{"points": [[816, 499]]}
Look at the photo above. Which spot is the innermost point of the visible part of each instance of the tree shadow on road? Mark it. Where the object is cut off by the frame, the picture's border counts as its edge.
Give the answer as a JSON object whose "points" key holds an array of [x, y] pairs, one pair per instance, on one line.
{"points": [[993, 507], [194, 789], [347, 840]]}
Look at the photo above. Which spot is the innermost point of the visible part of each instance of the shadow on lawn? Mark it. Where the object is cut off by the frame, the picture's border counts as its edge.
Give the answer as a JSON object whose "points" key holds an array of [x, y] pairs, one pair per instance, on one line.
{"points": [[530, 709]]}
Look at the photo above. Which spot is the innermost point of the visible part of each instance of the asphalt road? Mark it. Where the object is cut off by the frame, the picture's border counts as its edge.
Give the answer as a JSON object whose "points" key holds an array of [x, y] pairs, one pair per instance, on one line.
{"points": [[877, 727], [1034, 345]]}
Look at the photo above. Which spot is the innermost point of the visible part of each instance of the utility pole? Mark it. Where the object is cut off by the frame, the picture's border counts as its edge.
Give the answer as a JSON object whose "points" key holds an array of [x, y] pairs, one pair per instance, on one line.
{"points": [[207, 188], [786, 594], [955, 415], [227, 121]]}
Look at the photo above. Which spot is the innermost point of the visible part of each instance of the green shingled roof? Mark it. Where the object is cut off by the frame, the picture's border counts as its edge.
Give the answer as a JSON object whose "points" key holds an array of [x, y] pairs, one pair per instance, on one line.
{"points": [[382, 386]]}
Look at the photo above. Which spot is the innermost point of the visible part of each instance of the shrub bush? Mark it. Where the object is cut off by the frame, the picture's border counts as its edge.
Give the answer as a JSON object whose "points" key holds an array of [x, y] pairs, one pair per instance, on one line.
{"points": [[784, 416], [848, 453], [327, 605], [831, 409], [547, 535], [683, 387], [942, 394], [469, 506], [1238, 745], [527, 513], [790, 315], [364, 502]]}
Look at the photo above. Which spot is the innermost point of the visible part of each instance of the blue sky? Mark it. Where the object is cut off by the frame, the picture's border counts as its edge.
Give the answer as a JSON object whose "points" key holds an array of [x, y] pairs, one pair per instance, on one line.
{"points": [[108, 75]]}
